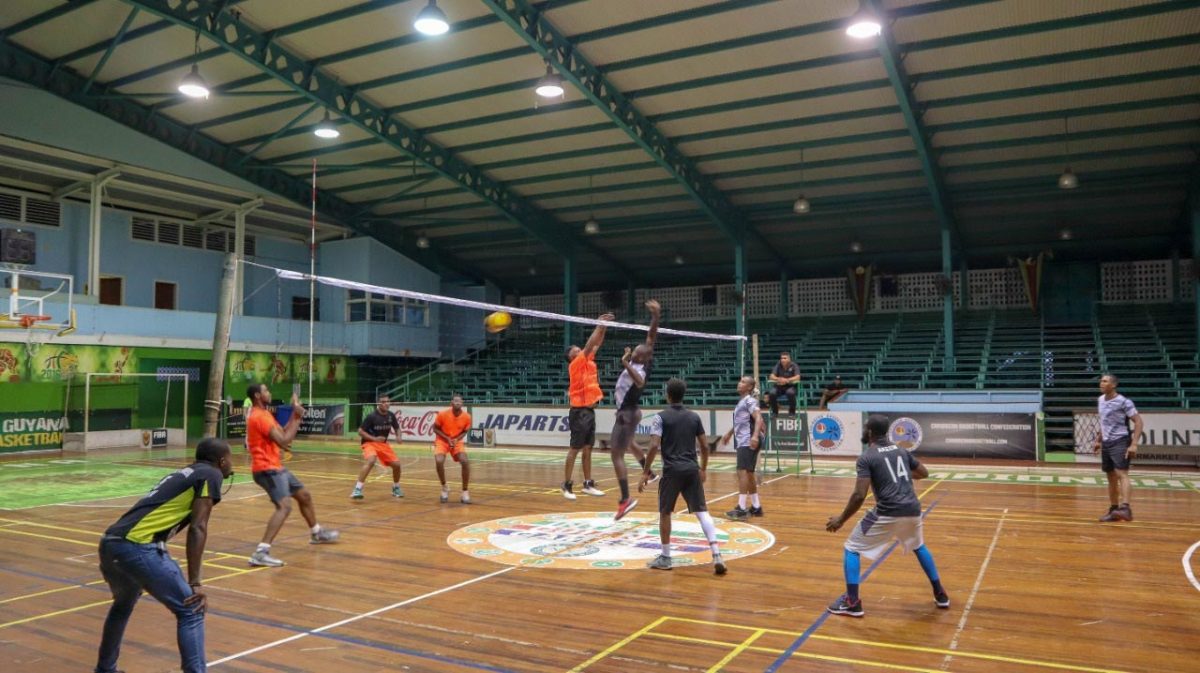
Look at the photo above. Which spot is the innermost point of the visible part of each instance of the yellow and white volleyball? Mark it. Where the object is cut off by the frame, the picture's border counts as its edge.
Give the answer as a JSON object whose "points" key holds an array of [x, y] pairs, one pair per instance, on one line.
{"points": [[497, 322]]}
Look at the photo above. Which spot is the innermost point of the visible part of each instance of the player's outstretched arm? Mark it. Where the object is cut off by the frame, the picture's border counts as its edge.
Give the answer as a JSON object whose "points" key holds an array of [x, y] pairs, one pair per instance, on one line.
{"points": [[655, 310], [597, 338], [857, 498]]}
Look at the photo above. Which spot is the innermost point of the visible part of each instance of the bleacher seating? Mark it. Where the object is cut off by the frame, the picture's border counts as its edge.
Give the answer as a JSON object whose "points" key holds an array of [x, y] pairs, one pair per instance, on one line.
{"points": [[1152, 348]]}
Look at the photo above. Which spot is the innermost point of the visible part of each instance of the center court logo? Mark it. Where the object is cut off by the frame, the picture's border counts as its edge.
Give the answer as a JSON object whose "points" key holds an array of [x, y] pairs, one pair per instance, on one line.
{"points": [[905, 433], [593, 541], [827, 433]]}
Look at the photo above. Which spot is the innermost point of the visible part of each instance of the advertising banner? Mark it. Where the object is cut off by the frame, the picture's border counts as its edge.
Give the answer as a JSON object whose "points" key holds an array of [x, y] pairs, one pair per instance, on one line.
{"points": [[835, 433], [1167, 438], [966, 435], [416, 422], [319, 419], [788, 433], [31, 431]]}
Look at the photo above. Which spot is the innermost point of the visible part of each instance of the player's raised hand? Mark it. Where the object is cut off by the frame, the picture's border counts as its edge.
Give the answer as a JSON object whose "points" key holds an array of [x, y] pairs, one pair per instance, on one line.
{"points": [[628, 356], [653, 307], [297, 408], [607, 317]]}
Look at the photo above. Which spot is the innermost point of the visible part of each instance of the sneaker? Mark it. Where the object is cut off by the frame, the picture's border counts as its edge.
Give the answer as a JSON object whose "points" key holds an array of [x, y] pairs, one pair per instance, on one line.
{"points": [[265, 560], [624, 507], [660, 562], [444, 497], [941, 600], [842, 606], [396, 491], [324, 536], [719, 565], [589, 488], [566, 490], [357, 494], [654, 476], [756, 511], [1125, 513], [465, 499], [1112, 515], [738, 514]]}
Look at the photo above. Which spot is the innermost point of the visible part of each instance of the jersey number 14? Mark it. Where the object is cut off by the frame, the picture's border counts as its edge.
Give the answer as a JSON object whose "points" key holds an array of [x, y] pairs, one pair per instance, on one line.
{"points": [[901, 470]]}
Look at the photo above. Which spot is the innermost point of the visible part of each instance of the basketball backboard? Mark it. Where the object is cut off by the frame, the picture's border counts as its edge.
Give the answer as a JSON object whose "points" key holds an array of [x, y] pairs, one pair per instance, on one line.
{"points": [[37, 300]]}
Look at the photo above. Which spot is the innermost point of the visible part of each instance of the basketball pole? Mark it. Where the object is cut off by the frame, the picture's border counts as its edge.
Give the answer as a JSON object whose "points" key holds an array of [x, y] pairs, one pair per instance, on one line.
{"points": [[312, 281], [220, 347]]}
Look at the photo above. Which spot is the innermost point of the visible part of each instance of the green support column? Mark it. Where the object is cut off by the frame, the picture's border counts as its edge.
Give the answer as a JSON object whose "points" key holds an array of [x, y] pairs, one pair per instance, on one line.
{"points": [[570, 297], [1195, 204], [784, 295], [964, 283], [739, 284], [948, 363]]}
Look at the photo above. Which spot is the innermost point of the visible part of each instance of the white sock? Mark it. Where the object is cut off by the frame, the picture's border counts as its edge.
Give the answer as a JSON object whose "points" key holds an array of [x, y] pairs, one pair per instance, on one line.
{"points": [[263, 547], [710, 531], [754, 499], [741, 501], [358, 485], [465, 494], [316, 529], [666, 549]]}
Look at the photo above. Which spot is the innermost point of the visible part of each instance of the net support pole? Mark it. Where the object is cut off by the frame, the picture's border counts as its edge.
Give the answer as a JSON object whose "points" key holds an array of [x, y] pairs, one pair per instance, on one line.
{"points": [[312, 281], [570, 297], [220, 347]]}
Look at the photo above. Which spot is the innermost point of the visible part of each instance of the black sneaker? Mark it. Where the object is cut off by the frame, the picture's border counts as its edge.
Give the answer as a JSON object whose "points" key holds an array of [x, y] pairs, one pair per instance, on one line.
{"points": [[756, 511], [941, 599], [738, 514], [1125, 512], [842, 606], [1112, 515]]}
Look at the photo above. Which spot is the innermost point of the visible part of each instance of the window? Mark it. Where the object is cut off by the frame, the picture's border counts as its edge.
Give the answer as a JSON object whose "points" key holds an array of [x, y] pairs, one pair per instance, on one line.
{"points": [[300, 308], [112, 290], [165, 295], [364, 307], [29, 209]]}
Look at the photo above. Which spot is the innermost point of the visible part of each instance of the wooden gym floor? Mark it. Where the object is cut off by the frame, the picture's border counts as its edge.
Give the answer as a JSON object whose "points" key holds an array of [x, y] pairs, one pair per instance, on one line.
{"points": [[1036, 583]]}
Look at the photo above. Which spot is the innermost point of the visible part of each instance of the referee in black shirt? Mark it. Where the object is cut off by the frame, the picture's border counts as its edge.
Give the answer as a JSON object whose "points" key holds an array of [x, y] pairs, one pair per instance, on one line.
{"points": [[677, 431]]}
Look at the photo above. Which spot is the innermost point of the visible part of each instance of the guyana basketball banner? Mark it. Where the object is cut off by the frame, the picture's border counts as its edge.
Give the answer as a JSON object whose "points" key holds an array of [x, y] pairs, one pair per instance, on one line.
{"points": [[592, 540]]}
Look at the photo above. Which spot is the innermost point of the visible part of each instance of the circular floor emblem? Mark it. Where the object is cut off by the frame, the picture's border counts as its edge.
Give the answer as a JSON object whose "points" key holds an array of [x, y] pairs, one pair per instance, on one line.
{"points": [[592, 540]]}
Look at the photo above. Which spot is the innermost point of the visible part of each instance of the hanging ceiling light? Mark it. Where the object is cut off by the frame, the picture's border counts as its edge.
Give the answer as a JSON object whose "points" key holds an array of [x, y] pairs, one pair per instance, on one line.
{"points": [[1067, 180], [855, 247], [550, 85], [193, 85], [678, 259], [1066, 234], [422, 242], [431, 20], [532, 270], [801, 205], [591, 227], [864, 24], [326, 129]]}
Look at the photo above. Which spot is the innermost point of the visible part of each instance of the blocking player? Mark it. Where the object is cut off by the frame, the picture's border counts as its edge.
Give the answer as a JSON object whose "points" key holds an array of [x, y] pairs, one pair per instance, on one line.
{"points": [[889, 471], [584, 394], [628, 394], [747, 433], [373, 434], [450, 428], [267, 441], [1116, 446]]}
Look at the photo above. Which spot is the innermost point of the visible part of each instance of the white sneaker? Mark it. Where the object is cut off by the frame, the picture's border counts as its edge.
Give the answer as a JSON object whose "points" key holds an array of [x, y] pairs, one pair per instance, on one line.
{"points": [[265, 560], [568, 495], [465, 499], [592, 490]]}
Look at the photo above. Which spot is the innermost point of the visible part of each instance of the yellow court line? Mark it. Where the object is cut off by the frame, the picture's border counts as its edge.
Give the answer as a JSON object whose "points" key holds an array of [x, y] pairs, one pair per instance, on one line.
{"points": [[931, 487], [56, 613], [1038, 522], [735, 651], [90, 533], [803, 655], [433, 482], [619, 644], [49, 591], [48, 537], [899, 646]]}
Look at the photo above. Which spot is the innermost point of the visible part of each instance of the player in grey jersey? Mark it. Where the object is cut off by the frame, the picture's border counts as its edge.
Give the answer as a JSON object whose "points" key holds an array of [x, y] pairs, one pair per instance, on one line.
{"points": [[889, 471]]}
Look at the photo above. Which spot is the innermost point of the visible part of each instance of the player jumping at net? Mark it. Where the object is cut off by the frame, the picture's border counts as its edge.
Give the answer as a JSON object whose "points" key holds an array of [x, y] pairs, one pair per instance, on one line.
{"points": [[134, 557], [450, 428], [584, 394], [889, 471], [635, 369], [1116, 446], [747, 433], [676, 431], [267, 442], [373, 433]]}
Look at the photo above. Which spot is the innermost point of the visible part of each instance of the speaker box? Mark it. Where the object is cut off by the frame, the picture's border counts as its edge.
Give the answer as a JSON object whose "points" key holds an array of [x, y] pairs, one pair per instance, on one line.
{"points": [[17, 246]]}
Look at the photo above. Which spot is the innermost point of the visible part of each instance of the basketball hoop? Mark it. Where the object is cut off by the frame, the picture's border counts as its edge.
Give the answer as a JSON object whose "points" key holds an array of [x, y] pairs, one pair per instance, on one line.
{"points": [[28, 321]]}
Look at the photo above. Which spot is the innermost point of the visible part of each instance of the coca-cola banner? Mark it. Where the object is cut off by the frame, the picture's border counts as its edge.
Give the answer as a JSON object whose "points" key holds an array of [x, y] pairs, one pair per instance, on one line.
{"points": [[416, 423]]}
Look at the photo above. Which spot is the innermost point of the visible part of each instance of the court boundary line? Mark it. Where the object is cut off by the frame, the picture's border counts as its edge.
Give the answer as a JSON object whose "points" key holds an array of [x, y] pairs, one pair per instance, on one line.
{"points": [[1187, 565], [962, 622]]}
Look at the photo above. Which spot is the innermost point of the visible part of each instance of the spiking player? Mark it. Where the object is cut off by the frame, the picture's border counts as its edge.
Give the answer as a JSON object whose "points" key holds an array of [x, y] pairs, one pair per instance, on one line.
{"points": [[628, 394]]}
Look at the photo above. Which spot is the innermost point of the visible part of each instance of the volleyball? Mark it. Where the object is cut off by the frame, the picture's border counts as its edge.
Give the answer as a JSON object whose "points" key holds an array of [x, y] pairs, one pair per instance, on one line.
{"points": [[497, 322]]}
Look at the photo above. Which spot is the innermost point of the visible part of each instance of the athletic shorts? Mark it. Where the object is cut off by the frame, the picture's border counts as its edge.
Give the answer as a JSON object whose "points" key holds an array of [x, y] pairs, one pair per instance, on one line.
{"points": [[625, 427], [441, 448], [1112, 454], [747, 458], [875, 532], [279, 484], [380, 450], [681, 482], [582, 421]]}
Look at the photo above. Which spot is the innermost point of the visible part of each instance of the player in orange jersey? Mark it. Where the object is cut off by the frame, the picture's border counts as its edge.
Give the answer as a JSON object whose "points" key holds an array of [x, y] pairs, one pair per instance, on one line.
{"points": [[450, 429]]}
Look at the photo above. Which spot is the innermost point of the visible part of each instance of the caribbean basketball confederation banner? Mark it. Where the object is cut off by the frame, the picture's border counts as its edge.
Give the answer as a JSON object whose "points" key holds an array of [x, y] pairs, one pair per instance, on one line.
{"points": [[966, 435]]}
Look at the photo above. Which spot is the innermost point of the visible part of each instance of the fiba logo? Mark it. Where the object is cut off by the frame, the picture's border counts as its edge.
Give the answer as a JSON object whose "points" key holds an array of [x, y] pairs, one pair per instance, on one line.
{"points": [[827, 433], [905, 433], [786, 424]]}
